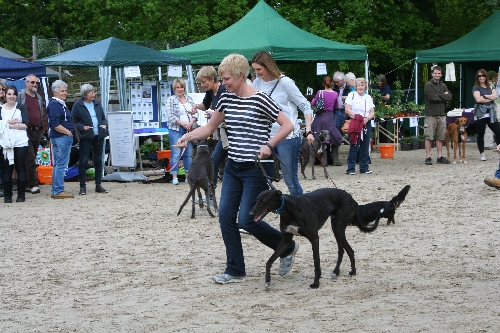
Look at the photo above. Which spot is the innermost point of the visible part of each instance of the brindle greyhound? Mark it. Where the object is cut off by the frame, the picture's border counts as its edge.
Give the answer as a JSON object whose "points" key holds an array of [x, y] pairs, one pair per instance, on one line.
{"points": [[307, 152], [200, 176]]}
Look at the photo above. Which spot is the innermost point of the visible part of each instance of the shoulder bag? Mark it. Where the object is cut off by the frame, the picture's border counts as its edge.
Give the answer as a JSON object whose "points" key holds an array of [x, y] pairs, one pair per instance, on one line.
{"points": [[320, 103]]}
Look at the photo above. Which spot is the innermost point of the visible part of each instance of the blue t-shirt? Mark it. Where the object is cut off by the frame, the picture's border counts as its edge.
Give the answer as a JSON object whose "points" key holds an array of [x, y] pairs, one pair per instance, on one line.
{"points": [[93, 115]]}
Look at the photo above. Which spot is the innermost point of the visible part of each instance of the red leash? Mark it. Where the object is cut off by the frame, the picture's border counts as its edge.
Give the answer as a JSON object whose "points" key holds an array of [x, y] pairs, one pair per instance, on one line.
{"points": [[324, 167]]}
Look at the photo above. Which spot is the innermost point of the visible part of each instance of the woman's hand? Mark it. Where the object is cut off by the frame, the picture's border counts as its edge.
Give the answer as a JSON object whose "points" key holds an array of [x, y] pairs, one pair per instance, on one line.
{"points": [[182, 142], [87, 127], [14, 121], [310, 138], [264, 152], [188, 125]]}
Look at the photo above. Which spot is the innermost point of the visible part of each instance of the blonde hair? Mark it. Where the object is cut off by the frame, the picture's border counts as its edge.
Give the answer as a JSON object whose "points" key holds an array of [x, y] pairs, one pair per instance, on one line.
{"points": [[235, 64], [361, 80], [207, 72], [179, 81]]}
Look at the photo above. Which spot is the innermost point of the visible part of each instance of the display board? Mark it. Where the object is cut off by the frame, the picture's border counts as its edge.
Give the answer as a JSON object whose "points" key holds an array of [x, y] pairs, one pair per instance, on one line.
{"points": [[121, 139]]}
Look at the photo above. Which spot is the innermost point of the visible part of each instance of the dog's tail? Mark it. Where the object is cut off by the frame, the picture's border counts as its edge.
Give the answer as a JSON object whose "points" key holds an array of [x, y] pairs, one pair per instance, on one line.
{"points": [[190, 194], [365, 228], [402, 195]]}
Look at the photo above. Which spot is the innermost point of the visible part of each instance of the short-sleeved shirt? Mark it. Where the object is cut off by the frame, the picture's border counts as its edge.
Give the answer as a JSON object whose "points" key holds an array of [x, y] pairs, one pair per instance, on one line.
{"points": [[210, 100], [483, 91], [248, 123], [360, 104]]}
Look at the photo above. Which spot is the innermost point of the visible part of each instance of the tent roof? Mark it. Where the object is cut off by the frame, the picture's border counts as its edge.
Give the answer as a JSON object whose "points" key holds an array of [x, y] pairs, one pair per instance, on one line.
{"points": [[263, 28], [18, 69], [9, 54], [113, 52], [481, 44]]}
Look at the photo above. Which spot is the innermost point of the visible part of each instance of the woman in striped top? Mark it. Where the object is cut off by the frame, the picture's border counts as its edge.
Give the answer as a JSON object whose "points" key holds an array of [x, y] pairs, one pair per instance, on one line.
{"points": [[249, 115]]}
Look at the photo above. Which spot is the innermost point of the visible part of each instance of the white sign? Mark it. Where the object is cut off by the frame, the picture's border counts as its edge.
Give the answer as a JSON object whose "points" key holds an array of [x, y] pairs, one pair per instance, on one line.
{"points": [[175, 71], [413, 121], [321, 68], [132, 71]]}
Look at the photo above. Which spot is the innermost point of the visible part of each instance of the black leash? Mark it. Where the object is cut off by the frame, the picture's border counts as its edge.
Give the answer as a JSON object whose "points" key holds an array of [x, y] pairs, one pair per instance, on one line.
{"points": [[324, 167], [277, 167]]}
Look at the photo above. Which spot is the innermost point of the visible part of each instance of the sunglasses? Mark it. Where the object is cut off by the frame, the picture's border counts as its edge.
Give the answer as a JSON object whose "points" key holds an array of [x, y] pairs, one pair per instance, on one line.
{"points": [[481, 75], [34, 82]]}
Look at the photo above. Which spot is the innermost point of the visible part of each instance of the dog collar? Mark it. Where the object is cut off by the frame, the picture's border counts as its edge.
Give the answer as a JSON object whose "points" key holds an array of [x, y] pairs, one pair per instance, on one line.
{"points": [[280, 209]]}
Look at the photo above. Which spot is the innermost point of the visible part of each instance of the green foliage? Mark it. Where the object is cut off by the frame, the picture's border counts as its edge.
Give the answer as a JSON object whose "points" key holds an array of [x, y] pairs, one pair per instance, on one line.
{"points": [[149, 146], [391, 29]]}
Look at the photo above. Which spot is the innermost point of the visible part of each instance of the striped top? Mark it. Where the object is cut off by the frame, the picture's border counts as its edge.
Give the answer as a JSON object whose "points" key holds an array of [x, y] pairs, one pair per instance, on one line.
{"points": [[248, 123]]}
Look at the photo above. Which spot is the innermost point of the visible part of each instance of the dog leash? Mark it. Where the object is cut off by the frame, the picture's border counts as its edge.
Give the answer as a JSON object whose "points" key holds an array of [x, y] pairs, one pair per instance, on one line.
{"points": [[324, 167], [277, 164]]}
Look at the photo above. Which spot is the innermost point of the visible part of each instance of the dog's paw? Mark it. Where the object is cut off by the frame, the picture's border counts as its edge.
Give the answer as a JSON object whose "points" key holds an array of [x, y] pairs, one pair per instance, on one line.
{"points": [[465, 162], [334, 276], [351, 274], [454, 162], [267, 284], [314, 286]]}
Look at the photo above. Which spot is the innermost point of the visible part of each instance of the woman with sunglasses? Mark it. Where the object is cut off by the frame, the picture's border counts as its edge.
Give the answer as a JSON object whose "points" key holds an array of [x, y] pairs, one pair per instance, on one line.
{"points": [[484, 111], [13, 125]]}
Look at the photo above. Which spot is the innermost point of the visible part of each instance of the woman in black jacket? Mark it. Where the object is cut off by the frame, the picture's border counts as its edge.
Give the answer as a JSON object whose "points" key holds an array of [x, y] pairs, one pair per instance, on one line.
{"points": [[91, 122]]}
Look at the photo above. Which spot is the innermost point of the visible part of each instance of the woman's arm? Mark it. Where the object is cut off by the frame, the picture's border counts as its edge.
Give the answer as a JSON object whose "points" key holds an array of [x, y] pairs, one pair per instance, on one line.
{"points": [[286, 127], [492, 96], [370, 116], [479, 98], [203, 132]]}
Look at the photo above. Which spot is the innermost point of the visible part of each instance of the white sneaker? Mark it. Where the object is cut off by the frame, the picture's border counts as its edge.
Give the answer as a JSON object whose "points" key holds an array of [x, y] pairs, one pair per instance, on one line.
{"points": [[35, 189], [226, 278], [483, 157]]}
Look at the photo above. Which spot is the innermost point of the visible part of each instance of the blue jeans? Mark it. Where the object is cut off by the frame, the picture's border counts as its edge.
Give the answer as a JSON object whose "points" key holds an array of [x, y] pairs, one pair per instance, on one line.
{"points": [[218, 156], [339, 118], [61, 149], [187, 157], [289, 154], [497, 173], [85, 147], [243, 182], [363, 149]]}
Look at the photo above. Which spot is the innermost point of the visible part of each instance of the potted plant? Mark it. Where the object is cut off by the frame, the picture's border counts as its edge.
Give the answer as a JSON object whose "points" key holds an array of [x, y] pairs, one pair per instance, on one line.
{"points": [[405, 144], [414, 142], [421, 141]]}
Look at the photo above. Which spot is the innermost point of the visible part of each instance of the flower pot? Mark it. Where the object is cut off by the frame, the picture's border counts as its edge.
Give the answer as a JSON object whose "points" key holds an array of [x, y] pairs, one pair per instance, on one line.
{"points": [[414, 146], [421, 145], [404, 146], [386, 151]]}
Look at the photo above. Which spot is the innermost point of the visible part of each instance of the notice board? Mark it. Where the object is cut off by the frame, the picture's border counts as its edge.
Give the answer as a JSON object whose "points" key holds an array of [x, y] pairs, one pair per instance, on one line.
{"points": [[121, 139]]}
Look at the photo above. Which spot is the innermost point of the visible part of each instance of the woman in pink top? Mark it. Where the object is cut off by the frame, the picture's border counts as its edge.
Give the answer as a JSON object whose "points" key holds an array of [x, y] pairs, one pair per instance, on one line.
{"points": [[326, 120]]}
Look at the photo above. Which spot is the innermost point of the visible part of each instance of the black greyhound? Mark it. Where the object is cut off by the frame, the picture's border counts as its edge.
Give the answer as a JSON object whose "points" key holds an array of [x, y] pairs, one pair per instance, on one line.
{"points": [[368, 213], [200, 176], [304, 215], [307, 152]]}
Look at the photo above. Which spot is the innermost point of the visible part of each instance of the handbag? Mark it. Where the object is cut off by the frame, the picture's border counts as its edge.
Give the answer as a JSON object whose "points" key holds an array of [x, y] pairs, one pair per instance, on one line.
{"points": [[76, 135], [345, 127], [320, 104]]}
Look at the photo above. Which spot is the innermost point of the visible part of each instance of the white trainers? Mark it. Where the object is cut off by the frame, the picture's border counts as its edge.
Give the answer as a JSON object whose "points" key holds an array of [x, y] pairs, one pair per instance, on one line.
{"points": [[483, 157], [226, 278], [287, 262], [35, 190]]}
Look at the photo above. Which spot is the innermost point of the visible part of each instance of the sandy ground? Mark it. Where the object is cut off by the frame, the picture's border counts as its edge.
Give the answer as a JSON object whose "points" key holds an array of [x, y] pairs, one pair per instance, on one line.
{"points": [[124, 261]]}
